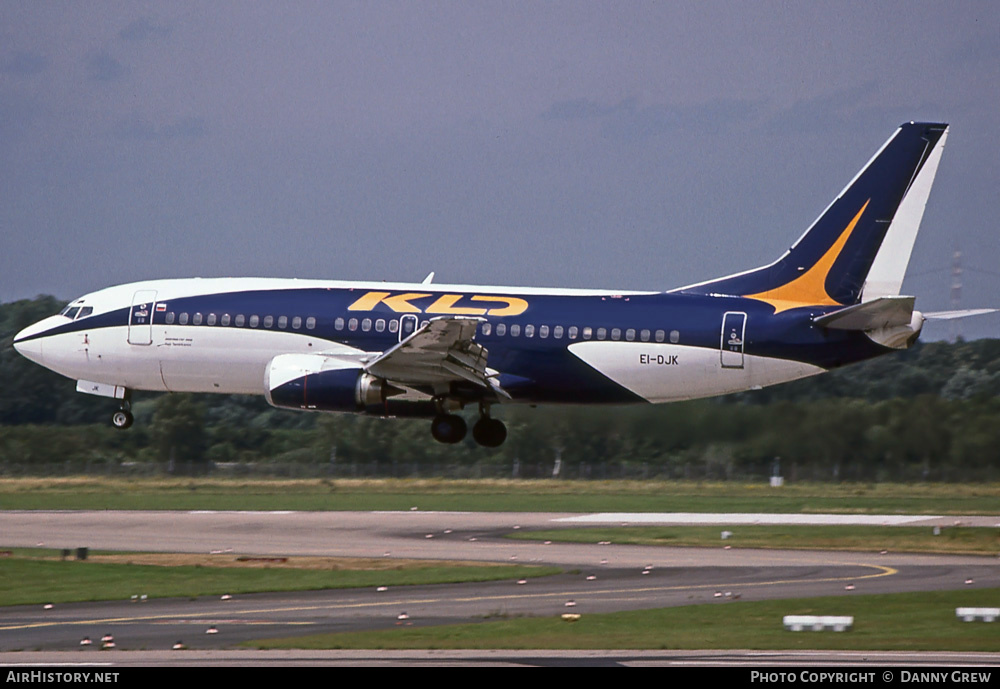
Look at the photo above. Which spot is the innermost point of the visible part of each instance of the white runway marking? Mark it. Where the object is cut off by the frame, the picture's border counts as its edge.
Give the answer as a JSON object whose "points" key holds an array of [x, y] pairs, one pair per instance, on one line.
{"points": [[745, 518]]}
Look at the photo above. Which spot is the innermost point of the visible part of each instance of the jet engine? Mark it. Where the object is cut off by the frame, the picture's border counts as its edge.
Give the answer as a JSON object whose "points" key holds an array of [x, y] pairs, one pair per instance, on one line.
{"points": [[325, 383]]}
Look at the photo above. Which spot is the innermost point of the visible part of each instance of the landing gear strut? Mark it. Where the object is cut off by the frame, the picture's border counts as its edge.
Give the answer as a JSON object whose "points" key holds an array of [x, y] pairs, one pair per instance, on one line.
{"points": [[123, 417]]}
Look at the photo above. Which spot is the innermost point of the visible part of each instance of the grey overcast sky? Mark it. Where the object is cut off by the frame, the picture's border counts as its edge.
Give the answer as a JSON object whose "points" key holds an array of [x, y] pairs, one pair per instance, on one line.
{"points": [[632, 145]]}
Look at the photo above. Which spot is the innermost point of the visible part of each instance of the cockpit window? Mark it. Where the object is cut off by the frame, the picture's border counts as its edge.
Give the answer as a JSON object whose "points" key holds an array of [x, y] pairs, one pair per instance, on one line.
{"points": [[74, 312]]}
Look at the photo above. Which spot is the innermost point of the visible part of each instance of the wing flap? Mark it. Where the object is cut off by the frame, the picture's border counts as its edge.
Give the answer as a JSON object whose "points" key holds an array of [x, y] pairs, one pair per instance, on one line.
{"points": [[440, 352]]}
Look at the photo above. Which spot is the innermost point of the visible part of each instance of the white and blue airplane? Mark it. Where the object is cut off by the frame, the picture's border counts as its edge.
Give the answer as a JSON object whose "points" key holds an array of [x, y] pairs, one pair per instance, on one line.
{"points": [[430, 350]]}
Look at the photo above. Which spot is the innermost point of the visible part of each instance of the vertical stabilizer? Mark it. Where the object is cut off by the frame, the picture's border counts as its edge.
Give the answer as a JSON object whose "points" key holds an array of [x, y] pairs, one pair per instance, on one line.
{"points": [[885, 278], [860, 245]]}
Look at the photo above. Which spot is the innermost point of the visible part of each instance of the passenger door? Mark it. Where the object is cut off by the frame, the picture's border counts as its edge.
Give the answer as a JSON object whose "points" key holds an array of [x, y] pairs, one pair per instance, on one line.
{"points": [[140, 318]]}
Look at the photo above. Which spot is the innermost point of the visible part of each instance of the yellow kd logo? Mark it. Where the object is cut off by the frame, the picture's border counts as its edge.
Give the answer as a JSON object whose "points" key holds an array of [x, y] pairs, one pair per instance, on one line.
{"points": [[448, 304]]}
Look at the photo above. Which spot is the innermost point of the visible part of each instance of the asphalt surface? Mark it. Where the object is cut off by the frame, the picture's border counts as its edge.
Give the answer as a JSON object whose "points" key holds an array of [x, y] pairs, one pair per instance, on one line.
{"points": [[597, 577]]}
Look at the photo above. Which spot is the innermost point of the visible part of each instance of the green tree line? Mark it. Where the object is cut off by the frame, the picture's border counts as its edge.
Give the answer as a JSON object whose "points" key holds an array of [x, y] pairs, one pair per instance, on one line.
{"points": [[928, 413]]}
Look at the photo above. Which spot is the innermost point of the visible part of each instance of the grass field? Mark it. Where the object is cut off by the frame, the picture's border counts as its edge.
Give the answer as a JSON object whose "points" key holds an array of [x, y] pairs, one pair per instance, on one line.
{"points": [[88, 493], [914, 622], [898, 539], [39, 576]]}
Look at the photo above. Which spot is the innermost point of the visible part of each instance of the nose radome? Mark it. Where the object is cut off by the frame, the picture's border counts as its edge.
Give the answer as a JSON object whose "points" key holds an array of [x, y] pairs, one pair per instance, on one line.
{"points": [[28, 342], [28, 348]]}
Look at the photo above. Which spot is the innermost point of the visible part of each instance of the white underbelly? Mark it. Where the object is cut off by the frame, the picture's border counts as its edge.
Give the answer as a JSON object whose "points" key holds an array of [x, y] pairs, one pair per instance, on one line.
{"points": [[669, 372]]}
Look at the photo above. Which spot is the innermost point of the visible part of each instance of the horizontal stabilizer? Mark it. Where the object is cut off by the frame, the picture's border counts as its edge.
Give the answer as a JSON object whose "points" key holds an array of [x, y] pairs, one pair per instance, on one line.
{"points": [[885, 312], [962, 313]]}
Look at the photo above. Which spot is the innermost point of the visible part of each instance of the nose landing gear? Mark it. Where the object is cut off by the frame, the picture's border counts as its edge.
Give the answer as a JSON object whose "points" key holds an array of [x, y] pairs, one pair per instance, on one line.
{"points": [[122, 418]]}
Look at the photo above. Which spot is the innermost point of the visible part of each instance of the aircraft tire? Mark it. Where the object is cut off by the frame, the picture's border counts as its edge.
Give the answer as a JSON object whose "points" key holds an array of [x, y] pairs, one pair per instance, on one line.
{"points": [[489, 432], [448, 428], [122, 419]]}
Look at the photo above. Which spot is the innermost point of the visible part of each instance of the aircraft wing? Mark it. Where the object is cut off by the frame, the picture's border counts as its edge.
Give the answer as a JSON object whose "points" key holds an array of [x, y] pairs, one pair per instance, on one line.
{"points": [[439, 353]]}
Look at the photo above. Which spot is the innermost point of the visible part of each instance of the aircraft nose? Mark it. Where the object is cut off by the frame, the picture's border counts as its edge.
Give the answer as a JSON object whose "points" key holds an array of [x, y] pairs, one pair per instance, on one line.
{"points": [[28, 345], [30, 349]]}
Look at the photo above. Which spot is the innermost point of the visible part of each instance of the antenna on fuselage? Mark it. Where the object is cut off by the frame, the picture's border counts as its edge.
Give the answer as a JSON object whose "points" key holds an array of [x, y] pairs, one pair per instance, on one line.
{"points": [[429, 279]]}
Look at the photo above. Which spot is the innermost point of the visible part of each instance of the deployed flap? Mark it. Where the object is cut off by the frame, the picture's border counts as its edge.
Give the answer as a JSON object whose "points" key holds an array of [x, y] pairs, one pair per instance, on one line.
{"points": [[884, 312], [437, 354]]}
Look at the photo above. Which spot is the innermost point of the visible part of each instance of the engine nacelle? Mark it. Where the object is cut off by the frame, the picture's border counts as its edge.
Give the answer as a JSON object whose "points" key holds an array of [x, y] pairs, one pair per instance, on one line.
{"points": [[324, 383]]}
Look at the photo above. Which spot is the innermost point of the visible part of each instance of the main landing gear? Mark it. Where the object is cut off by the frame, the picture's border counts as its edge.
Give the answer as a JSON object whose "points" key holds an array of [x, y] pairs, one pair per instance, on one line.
{"points": [[451, 428], [122, 418]]}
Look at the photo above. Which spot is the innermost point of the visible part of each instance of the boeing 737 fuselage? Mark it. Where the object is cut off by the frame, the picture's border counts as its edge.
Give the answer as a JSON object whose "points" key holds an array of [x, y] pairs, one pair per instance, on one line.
{"points": [[430, 350]]}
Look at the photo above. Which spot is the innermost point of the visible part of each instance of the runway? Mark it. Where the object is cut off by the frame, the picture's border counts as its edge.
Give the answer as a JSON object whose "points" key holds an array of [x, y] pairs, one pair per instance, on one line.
{"points": [[596, 578]]}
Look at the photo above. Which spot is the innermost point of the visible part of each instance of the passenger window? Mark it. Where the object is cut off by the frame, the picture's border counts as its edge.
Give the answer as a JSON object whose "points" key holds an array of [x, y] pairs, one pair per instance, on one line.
{"points": [[529, 331], [311, 323], [240, 320], [282, 322], [644, 335], [254, 321], [675, 336], [197, 319], [602, 333], [588, 332], [183, 318], [394, 326], [352, 324], [486, 328], [515, 330], [660, 335], [296, 322], [380, 325], [501, 329], [543, 331], [366, 324], [170, 317], [630, 334], [339, 324], [557, 332], [573, 331], [224, 320], [616, 333], [211, 319], [268, 321]]}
